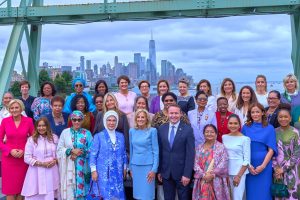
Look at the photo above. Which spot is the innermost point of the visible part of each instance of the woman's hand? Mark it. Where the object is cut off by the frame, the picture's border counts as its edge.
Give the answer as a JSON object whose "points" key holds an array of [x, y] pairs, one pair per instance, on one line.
{"points": [[208, 177], [94, 176], [278, 171], [150, 176], [77, 152], [259, 169], [124, 174], [50, 164], [236, 181], [17, 153], [252, 170]]}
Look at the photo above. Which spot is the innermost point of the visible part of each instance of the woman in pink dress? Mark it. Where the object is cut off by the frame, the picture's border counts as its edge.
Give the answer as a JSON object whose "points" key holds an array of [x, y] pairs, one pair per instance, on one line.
{"points": [[16, 129], [42, 177]]}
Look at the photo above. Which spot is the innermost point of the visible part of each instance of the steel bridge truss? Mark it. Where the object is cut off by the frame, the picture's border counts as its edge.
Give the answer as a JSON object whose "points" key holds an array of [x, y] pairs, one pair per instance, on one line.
{"points": [[30, 15]]}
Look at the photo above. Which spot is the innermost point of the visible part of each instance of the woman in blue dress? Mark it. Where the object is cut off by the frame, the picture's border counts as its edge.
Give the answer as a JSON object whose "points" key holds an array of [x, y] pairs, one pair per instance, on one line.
{"points": [[143, 156], [263, 148], [108, 159]]}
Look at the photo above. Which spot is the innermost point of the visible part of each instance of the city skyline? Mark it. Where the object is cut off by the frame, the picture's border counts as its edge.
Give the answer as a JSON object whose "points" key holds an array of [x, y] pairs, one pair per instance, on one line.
{"points": [[208, 48]]}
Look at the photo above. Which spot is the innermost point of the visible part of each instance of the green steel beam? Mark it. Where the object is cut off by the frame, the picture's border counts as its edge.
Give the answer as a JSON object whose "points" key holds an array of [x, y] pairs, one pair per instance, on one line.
{"points": [[10, 57], [34, 53], [295, 22], [144, 10]]}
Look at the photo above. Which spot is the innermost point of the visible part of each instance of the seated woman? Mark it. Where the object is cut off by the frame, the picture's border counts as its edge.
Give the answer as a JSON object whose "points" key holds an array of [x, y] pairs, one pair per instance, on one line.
{"points": [[79, 102], [73, 152], [211, 168], [108, 159]]}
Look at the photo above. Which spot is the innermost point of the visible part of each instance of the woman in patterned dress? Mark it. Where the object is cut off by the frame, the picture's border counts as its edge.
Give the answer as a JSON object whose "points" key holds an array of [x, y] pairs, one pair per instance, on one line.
{"points": [[108, 159], [211, 168], [286, 164], [72, 153]]}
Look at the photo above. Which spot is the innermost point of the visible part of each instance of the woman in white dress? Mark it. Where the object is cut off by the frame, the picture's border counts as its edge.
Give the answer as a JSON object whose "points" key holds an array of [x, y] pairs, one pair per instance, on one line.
{"points": [[238, 148]]}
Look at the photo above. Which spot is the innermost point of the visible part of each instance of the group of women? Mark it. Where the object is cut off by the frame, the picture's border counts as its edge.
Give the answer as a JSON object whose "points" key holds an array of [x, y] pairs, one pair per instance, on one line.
{"points": [[88, 145]]}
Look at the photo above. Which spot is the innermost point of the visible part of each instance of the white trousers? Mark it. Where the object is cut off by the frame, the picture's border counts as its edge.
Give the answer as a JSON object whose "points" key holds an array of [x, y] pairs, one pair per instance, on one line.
{"points": [[238, 191]]}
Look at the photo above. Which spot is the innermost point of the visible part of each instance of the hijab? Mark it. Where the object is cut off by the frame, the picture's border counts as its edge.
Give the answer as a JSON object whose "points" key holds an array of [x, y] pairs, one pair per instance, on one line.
{"points": [[111, 133]]}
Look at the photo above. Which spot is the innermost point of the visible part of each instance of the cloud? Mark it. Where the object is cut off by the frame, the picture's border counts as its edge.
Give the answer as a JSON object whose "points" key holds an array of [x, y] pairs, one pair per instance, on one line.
{"points": [[214, 48]]}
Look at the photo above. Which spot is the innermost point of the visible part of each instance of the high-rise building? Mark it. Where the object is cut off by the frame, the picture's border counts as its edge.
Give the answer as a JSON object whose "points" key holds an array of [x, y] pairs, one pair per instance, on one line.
{"points": [[164, 68], [66, 69], [132, 70], [82, 63], [137, 61], [152, 60], [88, 64], [96, 69], [143, 66]]}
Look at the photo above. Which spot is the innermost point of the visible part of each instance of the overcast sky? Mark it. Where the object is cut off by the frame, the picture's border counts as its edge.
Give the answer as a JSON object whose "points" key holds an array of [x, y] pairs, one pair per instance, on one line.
{"points": [[236, 47]]}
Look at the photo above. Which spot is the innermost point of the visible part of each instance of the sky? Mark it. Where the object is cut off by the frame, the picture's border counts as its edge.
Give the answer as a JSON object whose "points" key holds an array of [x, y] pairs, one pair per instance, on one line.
{"points": [[214, 48]]}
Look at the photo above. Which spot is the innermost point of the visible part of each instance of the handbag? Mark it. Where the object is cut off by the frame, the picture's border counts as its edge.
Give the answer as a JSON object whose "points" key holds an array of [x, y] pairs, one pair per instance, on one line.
{"points": [[279, 189], [91, 196]]}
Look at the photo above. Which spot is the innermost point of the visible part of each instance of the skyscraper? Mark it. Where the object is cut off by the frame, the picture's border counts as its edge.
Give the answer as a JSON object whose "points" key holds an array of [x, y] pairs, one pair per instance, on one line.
{"points": [[152, 60], [88, 64], [82, 63], [137, 60]]}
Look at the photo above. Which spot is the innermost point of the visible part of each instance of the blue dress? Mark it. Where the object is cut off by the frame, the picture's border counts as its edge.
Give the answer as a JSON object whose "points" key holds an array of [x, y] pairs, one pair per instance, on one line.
{"points": [[258, 187], [67, 107], [143, 159], [110, 161]]}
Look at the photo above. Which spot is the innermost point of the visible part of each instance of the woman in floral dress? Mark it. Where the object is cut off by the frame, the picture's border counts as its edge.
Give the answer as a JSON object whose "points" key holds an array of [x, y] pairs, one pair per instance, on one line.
{"points": [[286, 164], [72, 153]]}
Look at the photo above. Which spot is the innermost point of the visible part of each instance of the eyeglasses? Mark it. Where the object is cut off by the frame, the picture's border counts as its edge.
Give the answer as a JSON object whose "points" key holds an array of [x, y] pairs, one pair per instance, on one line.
{"points": [[201, 99], [98, 102], [78, 85], [76, 120]]}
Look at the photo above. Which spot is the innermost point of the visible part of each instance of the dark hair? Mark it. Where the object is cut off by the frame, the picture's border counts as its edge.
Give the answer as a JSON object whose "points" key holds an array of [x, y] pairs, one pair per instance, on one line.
{"points": [[233, 87], [162, 81], [145, 99], [124, 78], [57, 99], [264, 120], [285, 106], [209, 93], [98, 83], [277, 93], [199, 93], [24, 82], [235, 116], [240, 101], [76, 98], [222, 98], [96, 96], [169, 94], [143, 81], [51, 85], [210, 125], [263, 77]]}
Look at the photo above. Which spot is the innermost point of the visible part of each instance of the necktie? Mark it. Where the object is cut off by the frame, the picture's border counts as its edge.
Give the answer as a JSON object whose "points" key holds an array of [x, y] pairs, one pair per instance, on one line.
{"points": [[172, 136]]}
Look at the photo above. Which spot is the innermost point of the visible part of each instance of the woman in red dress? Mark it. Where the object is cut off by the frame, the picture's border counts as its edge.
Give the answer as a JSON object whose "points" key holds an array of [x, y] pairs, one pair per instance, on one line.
{"points": [[15, 129]]}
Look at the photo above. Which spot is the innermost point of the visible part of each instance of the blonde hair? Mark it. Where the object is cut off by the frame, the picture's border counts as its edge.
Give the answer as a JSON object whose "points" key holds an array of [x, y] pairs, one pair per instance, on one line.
{"points": [[18, 102], [148, 125], [293, 78], [104, 110]]}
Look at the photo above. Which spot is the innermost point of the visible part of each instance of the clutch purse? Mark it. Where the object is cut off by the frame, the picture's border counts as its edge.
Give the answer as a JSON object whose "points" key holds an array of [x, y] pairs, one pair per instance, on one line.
{"points": [[279, 189], [91, 196]]}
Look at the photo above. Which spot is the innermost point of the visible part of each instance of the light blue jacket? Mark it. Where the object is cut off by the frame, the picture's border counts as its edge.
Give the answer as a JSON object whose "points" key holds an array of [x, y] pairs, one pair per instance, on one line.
{"points": [[144, 147]]}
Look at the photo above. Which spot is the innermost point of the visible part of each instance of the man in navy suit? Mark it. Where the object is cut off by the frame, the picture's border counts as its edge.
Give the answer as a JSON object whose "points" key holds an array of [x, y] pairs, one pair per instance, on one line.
{"points": [[176, 155]]}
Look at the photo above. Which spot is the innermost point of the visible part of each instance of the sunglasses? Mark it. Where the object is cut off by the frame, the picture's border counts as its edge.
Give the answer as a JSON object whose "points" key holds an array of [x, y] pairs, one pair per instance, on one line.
{"points": [[76, 120], [78, 85]]}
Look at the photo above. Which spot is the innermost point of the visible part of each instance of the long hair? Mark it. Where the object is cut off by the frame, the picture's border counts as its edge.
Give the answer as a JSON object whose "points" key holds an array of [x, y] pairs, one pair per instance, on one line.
{"points": [[264, 119], [104, 110], [265, 79], [136, 100], [233, 88], [209, 93], [162, 81], [240, 102], [148, 124], [36, 134], [98, 83], [76, 98]]}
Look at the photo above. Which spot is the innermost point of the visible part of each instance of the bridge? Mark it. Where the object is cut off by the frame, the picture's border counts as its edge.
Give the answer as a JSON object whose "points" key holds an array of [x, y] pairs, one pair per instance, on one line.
{"points": [[28, 17]]}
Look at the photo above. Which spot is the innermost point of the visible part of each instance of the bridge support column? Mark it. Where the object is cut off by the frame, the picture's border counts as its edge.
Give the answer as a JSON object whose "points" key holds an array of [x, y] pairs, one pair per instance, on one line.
{"points": [[295, 23]]}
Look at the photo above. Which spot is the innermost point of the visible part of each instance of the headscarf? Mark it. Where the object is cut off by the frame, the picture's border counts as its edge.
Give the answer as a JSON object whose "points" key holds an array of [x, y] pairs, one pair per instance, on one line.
{"points": [[77, 114], [82, 81], [109, 114]]}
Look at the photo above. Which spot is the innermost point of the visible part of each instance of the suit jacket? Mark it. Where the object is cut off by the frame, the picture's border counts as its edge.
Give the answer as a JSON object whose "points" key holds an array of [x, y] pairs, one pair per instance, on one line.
{"points": [[273, 120], [177, 161]]}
